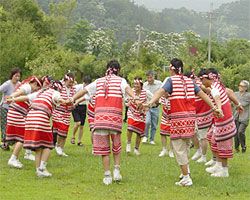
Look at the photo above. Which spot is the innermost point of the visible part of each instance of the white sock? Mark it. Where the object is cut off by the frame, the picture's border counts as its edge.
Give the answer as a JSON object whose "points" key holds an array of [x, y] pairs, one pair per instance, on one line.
{"points": [[107, 173], [225, 169], [28, 151], [188, 169], [218, 164], [13, 157], [164, 149], [117, 167], [43, 165]]}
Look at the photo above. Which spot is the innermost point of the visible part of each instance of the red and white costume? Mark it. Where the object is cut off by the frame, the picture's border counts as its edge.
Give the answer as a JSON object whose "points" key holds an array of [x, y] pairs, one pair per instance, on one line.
{"points": [[224, 128], [165, 120], [61, 115], [136, 118], [91, 113], [38, 132], [182, 104], [16, 117], [204, 113], [108, 113]]}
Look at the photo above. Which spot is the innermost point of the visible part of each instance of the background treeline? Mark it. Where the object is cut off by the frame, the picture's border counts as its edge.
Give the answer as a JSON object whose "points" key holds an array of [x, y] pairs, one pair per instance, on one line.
{"points": [[51, 37]]}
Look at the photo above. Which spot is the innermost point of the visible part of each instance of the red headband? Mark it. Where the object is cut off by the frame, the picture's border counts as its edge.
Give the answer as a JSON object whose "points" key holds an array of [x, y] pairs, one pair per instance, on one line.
{"points": [[66, 77]]}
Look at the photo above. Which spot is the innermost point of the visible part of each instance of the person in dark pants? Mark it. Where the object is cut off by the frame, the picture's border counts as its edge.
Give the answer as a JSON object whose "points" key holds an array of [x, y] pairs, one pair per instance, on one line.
{"points": [[79, 114], [242, 118]]}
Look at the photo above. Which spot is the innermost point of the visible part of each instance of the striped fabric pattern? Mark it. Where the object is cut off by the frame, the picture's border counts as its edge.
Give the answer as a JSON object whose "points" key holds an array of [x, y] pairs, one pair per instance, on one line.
{"points": [[108, 109], [61, 115], [91, 113], [182, 103], [165, 120]]}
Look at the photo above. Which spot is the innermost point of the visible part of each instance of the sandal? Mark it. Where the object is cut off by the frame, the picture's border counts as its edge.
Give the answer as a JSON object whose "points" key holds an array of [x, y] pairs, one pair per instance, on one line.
{"points": [[72, 141], [80, 144]]}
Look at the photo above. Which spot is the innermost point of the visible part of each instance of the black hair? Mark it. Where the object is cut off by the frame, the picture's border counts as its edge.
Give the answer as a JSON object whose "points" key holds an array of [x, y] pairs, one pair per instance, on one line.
{"points": [[178, 65], [15, 71], [115, 65], [69, 74], [189, 75], [87, 79], [202, 72], [139, 79], [55, 85]]}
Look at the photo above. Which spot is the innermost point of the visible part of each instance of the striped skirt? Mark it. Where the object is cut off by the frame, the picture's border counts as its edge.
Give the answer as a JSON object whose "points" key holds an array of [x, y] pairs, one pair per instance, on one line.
{"points": [[60, 128], [38, 132], [4, 112], [224, 149], [15, 126], [136, 127]]}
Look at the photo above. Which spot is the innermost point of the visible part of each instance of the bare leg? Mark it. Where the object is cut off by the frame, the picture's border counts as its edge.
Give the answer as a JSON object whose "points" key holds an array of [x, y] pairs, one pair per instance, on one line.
{"points": [[45, 154], [129, 137], [196, 142], [164, 141], [18, 147], [204, 146], [75, 128], [61, 141], [138, 141], [38, 157], [106, 162], [184, 169], [80, 134]]}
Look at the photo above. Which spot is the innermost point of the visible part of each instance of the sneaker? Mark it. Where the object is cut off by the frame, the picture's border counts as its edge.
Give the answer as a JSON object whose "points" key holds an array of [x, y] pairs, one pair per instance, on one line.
{"points": [[107, 180], [59, 151], [210, 163], [197, 155], [136, 152], [202, 159], [213, 169], [185, 181], [222, 173], [244, 150], [43, 173], [117, 175], [15, 163], [29, 156], [144, 140], [171, 154], [64, 154], [152, 142], [163, 153], [128, 148]]}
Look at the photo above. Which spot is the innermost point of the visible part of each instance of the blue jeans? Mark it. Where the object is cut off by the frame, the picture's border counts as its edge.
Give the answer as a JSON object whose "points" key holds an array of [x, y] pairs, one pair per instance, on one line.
{"points": [[152, 117]]}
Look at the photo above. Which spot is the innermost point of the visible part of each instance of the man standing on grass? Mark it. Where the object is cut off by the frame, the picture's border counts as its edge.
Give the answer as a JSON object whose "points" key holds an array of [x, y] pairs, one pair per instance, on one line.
{"points": [[181, 92], [109, 92], [152, 115]]}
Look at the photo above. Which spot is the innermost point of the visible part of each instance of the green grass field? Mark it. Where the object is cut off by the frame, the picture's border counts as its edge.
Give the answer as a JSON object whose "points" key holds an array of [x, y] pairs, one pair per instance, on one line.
{"points": [[147, 176]]}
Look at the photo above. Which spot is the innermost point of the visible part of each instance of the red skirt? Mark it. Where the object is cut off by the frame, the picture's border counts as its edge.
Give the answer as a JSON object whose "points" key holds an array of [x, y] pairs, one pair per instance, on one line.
{"points": [[224, 149], [165, 129], [38, 132], [136, 127], [15, 126], [60, 129]]}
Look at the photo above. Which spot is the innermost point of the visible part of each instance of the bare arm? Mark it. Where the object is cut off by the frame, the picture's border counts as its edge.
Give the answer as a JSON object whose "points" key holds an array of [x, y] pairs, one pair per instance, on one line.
{"points": [[17, 99]]}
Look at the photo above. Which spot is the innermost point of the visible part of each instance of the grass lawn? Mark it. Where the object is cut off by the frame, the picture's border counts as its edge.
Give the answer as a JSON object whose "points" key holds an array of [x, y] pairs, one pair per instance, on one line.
{"points": [[147, 176]]}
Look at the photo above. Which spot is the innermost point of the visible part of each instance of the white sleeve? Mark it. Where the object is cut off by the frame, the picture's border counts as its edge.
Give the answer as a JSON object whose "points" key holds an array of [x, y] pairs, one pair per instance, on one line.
{"points": [[78, 87], [91, 88], [215, 92], [32, 96], [124, 84], [149, 95], [4, 86], [26, 88], [55, 97]]}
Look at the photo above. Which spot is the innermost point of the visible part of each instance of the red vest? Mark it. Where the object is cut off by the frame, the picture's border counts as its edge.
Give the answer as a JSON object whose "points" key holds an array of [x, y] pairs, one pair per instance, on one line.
{"points": [[204, 113], [108, 104], [182, 108]]}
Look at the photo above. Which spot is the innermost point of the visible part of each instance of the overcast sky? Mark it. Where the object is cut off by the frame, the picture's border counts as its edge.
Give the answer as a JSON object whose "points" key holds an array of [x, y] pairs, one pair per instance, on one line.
{"points": [[197, 5]]}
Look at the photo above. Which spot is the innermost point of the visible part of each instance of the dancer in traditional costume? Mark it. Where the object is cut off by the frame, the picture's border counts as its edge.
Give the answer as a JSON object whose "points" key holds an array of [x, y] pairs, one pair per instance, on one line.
{"points": [[61, 115], [109, 91], [16, 118], [136, 117], [224, 128], [181, 94]]}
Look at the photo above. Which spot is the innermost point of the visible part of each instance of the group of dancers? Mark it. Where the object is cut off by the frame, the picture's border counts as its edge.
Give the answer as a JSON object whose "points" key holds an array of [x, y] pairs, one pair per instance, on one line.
{"points": [[194, 109]]}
